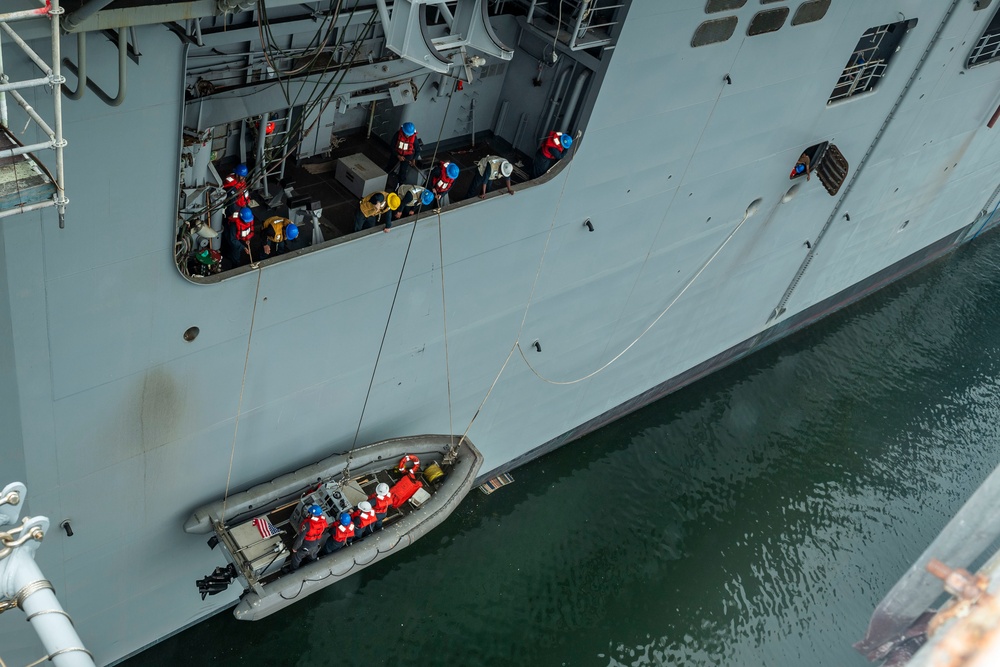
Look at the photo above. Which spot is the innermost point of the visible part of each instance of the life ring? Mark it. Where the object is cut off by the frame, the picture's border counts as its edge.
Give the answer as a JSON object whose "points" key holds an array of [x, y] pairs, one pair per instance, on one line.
{"points": [[409, 464]]}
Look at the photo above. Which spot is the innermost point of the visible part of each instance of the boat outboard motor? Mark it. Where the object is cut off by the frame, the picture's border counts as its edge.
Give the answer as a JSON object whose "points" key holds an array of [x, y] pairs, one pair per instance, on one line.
{"points": [[216, 582]]}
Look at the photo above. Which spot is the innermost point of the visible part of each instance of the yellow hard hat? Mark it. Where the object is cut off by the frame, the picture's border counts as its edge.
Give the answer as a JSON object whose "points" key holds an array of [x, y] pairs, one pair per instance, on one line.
{"points": [[393, 201]]}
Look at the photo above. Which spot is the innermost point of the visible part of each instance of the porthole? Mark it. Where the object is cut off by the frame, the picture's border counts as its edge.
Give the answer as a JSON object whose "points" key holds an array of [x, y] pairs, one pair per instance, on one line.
{"points": [[809, 12], [191, 334], [713, 6], [767, 21], [714, 31]]}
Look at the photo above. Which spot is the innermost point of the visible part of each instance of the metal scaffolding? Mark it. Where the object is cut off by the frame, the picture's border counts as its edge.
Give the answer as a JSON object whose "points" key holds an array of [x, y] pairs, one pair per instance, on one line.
{"points": [[17, 164]]}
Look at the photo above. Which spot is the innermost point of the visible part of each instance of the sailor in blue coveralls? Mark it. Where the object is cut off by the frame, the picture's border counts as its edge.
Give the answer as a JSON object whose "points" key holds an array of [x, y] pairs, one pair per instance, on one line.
{"points": [[490, 168], [312, 532]]}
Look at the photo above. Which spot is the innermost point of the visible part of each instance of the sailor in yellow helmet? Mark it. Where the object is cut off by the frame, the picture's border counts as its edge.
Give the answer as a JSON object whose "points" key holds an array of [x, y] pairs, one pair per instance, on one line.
{"points": [[374, 209]]}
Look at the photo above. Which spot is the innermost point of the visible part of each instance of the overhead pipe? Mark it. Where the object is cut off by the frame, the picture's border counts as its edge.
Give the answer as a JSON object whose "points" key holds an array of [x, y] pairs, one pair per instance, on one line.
{"points": [[81, 73], [574, 98], [85, 12], [558, 93], [81, 60]]}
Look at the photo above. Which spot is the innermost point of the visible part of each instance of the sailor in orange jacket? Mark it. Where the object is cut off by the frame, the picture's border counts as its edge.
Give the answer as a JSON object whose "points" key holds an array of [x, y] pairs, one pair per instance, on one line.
{"points": [[312, 530], [550, 151], [383, 501], [342, 535], [236, 186], [364, 520]]}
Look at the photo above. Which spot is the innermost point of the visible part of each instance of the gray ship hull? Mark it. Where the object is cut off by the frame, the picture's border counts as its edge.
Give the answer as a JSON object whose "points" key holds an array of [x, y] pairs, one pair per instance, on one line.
{"points": [[119, 424]]}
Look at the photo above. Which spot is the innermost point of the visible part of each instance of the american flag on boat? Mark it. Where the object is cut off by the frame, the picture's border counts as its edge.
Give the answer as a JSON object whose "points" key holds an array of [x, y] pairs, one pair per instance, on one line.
{"points": [[265, 527]]}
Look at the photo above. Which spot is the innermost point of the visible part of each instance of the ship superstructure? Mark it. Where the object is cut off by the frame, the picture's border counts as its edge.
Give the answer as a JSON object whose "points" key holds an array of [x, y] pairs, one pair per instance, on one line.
{"points": [[676, 236]]}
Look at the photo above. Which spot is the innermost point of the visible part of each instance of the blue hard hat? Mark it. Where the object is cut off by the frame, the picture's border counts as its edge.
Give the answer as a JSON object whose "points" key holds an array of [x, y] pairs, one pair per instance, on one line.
{"points": [[426, 197], [799, 168], [246, 215], [291, 231], [409, 129], [345, 519], [315, 510], [241, 170], [452, 170], [565, 140]]}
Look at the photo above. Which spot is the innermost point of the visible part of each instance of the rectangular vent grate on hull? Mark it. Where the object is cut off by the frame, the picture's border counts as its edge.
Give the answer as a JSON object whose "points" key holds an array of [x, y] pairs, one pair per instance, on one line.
{"points": [[832, 170], [492, 485]]}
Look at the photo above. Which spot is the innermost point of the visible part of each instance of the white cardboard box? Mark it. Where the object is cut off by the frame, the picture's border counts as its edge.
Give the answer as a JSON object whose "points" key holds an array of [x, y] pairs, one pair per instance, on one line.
{"points": [[359, 175]]}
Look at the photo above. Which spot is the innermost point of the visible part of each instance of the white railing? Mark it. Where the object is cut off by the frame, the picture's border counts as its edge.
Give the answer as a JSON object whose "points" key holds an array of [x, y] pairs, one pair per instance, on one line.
{"points": [[52, 79], [580, 24]]}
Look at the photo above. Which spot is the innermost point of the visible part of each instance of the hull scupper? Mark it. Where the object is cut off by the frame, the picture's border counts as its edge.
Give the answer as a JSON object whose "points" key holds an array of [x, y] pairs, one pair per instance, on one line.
{"points": [[138, 379]]}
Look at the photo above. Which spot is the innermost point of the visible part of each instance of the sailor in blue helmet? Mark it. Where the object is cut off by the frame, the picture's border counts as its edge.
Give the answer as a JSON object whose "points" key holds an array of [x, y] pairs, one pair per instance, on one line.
{"points": [[442, 180], [277, 232], [404, 151], [411, 198], [802, 166], [342, 535], [235, 185], [552, 149], [237, 235], [311, 533]]}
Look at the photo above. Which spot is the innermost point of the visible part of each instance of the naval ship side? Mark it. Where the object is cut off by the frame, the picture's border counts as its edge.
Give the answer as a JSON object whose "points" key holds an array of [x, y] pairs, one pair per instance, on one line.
{"points": [[692, 117]]}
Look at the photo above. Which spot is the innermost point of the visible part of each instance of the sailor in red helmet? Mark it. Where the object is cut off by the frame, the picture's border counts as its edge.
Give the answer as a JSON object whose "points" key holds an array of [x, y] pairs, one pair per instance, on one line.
{"points": [[310, 537], [404, 151], [552, 149], [342, 535], [238, 234], [235, 185], [442, 180], [382, 502], [364, 520]]}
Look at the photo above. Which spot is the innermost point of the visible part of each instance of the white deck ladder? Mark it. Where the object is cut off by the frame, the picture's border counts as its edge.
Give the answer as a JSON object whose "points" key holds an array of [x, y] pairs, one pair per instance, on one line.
{"points": [[52, 78]]}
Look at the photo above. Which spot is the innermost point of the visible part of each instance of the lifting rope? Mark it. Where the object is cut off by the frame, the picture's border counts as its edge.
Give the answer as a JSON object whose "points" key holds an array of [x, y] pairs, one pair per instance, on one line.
{"points": [[524, 318], [243, 384], [256, 266], [453, 449], [750, 211], [392, 306]]}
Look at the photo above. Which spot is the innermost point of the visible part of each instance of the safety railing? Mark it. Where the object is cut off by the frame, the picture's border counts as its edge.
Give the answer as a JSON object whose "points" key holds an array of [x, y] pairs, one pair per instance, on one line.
{"points": [[16, 161], [580, 24]]}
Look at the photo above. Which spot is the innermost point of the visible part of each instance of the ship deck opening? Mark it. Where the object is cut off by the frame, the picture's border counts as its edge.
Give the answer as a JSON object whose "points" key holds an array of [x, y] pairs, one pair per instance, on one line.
{"points": [[291, 94]]}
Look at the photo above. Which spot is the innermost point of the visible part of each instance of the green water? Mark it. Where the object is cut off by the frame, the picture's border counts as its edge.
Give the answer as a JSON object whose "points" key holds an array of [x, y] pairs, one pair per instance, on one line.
{"points": [[754, 518]]}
